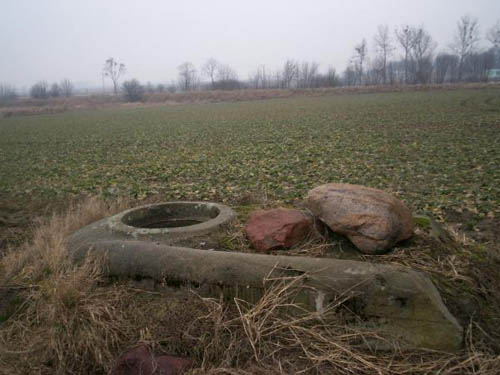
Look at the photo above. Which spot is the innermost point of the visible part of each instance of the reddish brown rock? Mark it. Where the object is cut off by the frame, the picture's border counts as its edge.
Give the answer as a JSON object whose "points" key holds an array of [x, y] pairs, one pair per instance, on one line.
{"points": [[168, 365], [277, 228], [372, 219], [140, 361]]}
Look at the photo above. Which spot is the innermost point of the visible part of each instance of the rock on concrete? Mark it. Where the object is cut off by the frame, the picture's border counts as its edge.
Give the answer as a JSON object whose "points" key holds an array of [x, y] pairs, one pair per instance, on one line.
{"points": [[140, 361], [372, 219], [277, 228]]}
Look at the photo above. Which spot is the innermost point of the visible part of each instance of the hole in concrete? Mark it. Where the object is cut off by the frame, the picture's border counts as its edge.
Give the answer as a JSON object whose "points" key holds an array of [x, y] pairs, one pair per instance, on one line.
{"points": [[168, 223], [170, 215], [401, 301]]}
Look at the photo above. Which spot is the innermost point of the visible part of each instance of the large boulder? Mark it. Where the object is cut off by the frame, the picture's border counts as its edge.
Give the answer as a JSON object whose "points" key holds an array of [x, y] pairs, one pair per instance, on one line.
{"points": [[372, 219], [277, 228]]}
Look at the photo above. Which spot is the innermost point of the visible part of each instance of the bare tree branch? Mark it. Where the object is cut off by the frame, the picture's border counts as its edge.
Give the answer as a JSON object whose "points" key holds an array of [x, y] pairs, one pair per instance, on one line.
{"points": [[360, 52], [465, 40], [404, 36], [493, 35], [210, 69], [114, 70], [383, 45], [187, 76]]}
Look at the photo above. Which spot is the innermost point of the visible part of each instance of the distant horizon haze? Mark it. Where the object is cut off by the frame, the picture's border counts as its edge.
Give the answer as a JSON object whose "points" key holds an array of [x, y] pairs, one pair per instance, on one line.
{"points": [[55, 39]]}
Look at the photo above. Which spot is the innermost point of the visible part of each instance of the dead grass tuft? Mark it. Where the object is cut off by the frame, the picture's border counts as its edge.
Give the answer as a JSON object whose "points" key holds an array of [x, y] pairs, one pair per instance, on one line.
{"points": [[46, 253], [65, 319], [277, 336]]}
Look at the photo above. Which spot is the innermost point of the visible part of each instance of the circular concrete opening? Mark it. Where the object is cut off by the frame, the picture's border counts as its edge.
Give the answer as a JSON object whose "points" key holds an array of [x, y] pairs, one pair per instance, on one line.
{"points": [[172, 221], [171, 215]]}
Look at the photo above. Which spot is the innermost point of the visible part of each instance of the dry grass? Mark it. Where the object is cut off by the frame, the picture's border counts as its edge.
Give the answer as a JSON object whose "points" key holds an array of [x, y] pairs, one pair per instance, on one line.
{"points": [[29, 106], [73, 320], [275, 336], [63, 319], [259, 94]]}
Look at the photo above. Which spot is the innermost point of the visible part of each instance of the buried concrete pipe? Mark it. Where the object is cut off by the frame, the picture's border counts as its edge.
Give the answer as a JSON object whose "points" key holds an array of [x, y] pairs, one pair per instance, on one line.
{"points": [[395, 300], [171, 223]]}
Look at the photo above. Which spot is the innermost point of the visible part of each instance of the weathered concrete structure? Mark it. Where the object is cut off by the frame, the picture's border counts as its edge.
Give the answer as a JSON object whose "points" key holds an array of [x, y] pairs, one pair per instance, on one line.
{"points": [[171, 223], [395, 300]]}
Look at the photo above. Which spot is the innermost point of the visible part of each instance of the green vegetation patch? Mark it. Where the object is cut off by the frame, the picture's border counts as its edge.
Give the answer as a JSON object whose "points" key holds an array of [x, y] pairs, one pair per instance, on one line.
{"points": [[438, 151]]}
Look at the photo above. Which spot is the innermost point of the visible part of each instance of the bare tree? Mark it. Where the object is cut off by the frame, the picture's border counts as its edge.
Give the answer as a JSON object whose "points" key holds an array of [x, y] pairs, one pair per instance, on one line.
{"points": [[7, 92], [350, 75], [264, 77], [289, 74], [255, 78], [210, 70], [66, 88], [307, 74], [373, 72], [465, 41], [259, 79], [479, 64], [422, 49], [225, 73], [172, 87], [313, 74], [149, 88], [55, 90], [114, 71], [384, 49], [391, 72], [328, 79], [404, 36], [40, 90], [360, 52], [493, 35], [187, 76], [303, 75], [133, 90], [446, 66], [331, 78], [227, 78], [278, 80]]}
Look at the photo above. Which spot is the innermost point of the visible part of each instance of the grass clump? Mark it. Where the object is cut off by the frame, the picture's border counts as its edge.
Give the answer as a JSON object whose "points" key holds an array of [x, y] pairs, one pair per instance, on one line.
{"points": [[67, 320]]}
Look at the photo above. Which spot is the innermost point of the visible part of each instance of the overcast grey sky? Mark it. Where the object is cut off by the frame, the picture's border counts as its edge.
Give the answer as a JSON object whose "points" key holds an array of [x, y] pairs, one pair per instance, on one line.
{"points": [[54, 39]]}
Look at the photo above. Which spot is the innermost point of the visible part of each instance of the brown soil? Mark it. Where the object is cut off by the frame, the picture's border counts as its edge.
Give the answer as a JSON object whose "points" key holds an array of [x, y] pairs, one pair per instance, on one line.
{"points": [[483, 230]]}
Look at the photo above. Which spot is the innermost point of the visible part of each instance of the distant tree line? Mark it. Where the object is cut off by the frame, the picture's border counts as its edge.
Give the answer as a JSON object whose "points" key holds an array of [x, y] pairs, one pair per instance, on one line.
{"points": [[42, 90], [7, 92], [407, 55]]}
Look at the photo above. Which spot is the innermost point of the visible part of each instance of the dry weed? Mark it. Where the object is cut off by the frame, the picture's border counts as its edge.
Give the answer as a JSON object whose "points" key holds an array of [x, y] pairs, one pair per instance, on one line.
{"points": [[276, 336], [64, 319]]}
